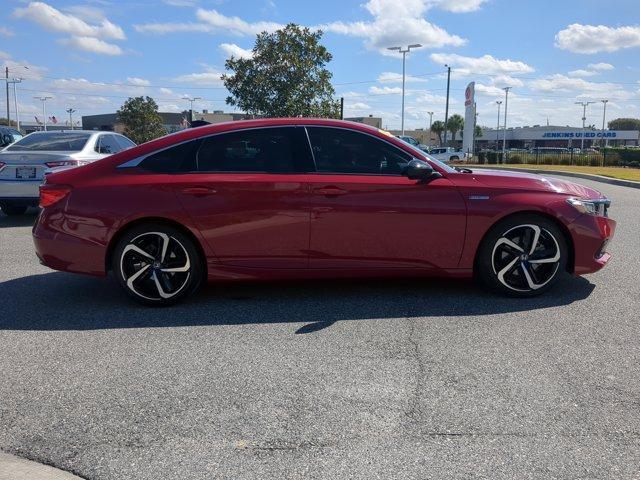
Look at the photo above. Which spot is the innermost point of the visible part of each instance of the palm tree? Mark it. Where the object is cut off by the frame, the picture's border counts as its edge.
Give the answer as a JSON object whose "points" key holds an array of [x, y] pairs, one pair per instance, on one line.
{"points": [[437, 127], [455, 124]]}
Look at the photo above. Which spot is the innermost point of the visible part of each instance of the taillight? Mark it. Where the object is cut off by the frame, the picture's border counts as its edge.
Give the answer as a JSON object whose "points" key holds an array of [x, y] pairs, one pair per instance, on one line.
{"points": [[50, 194], [62, 163]]}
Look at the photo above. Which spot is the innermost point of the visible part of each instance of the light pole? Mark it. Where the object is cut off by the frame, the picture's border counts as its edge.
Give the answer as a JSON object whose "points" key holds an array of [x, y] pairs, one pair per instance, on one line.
{"points": [[15, 99], [404, 52], [446, 108], [44, 109], [191, 100], [71, 111], [430, 123], [604, 117], [504, 138], [499, 102], [584, 118]]}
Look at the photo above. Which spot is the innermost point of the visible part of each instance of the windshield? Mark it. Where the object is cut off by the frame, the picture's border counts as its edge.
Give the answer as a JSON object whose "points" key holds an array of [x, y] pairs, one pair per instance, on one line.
{"points": [[419, 154], [52, 142]]}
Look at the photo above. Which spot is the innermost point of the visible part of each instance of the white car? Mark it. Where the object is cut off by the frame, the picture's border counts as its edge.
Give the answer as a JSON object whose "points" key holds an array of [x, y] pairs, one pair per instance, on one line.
{"points": [[23, 164], [446, 154]]}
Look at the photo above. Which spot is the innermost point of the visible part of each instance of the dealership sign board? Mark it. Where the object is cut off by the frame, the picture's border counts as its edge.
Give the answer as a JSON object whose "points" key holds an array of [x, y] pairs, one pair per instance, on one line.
{"points": [[469, 118], [551, 133]]}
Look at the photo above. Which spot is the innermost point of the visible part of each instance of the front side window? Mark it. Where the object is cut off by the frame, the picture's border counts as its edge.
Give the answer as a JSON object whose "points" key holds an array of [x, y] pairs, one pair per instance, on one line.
{"points": [[337, 150], [270, 150], [51, 142]]}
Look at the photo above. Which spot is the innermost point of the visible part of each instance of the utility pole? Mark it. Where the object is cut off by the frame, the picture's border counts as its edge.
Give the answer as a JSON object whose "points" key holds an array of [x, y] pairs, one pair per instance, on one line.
{"points": [[446, 110], [6, 77], [404, 59], [71, 111], [191, 100], [44, 109], [430, 123], [504, 139], [499, 102], [604, 117], [584, 119], [15, 99], [341, 108]]}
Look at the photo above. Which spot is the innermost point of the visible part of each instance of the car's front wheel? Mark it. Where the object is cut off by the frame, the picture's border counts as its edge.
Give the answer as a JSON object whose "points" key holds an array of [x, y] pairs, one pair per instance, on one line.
{"points": [[157, 264], [523, 255]]}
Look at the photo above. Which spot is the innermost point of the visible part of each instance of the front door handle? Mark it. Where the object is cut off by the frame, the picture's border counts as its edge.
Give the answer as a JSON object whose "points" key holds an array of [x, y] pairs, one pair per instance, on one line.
{"points": [[198, 191], [329, 191]]}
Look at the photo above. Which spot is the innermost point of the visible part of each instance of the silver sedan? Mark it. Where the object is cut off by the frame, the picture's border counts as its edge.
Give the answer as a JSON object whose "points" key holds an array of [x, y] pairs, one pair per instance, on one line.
{"points": [[23, 164]]}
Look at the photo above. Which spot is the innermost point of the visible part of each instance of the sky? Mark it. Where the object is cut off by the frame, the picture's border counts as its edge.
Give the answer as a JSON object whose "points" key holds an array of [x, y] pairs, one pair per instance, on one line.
{"points": [[92, 55]]}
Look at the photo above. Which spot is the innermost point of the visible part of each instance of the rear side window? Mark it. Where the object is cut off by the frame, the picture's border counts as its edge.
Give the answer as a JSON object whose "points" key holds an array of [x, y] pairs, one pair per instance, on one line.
{"points": [[124, 142], [270, 150], [178, 159], [337, 150], [107, 144]]}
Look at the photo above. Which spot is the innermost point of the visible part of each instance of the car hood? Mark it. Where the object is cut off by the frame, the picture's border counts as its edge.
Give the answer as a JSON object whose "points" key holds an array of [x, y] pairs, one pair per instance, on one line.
{"points": [[533, 181]]}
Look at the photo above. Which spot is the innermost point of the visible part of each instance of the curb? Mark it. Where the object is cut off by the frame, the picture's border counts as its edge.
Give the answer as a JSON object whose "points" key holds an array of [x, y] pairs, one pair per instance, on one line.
{"points": [[17, 468], [586, 176]]}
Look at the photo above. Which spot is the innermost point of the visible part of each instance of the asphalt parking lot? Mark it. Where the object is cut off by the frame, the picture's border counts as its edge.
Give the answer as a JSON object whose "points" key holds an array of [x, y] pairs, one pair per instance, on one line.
{"points": [[324, 380]]}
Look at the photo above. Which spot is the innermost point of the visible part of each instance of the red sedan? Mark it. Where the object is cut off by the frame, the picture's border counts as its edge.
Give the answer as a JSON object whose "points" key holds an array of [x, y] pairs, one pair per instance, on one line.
{"points": [[307, 198]]}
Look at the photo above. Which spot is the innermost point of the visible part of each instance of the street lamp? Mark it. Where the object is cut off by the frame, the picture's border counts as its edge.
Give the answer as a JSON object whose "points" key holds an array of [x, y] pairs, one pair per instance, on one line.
{"points": [[404, 52], [446, 108], [71, 111], [584, 118], [604, 117], [430, 123], [504, 138], [499, 102], [191, 100], [44, 109]]}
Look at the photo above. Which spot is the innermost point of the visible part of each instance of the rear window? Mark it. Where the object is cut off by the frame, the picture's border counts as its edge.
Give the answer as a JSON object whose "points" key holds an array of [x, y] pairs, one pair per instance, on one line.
{"points": [[52, 142]]}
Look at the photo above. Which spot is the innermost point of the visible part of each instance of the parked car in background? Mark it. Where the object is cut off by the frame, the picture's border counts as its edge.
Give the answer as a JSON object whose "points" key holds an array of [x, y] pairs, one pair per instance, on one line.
{"points": [[446, 154], [295, 198], [23, 163], [541, 150], [8, 136], [413, 142]]}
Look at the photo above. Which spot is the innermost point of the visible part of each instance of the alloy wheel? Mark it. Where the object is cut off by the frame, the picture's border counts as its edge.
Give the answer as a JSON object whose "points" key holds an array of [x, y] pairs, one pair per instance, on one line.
{"points": [[155, 266], [526, 257]]}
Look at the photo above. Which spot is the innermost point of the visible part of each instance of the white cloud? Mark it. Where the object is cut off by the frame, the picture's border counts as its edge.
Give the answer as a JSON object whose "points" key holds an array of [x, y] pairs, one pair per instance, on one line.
{"points": [[393, 77], [582, 73], [358, 106], [6, 32], [233, 50], [54, 20], [600, 66], [181, 3], [139, 82], [166, 91], [210, 77], [457, 6], [164, 28], [385, 90], [91, 44], [485, 64], [80, 84], [578, 38], [86, 12], [234, 25], [4, 55], [398, 23], [580, 87]]}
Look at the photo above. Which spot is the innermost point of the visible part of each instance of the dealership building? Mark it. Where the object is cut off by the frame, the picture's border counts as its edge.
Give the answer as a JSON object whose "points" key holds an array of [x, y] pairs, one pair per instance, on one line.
{"points": [[560, 137]]}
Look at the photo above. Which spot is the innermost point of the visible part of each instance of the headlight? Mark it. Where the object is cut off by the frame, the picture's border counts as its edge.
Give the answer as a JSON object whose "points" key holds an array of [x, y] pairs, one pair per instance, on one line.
{"points": [[593, 207]]}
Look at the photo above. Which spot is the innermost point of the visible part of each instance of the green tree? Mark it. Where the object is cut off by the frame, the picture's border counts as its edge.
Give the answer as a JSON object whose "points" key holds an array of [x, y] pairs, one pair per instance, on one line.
{"points": [[477, 131], [624, 124], [437, 127], [285, 77], [141, 119], [455, 124]]}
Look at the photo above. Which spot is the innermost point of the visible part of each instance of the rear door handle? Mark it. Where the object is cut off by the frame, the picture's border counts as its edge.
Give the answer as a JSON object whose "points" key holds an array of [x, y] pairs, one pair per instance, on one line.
{"points": [[198, 191], [329, 191]]}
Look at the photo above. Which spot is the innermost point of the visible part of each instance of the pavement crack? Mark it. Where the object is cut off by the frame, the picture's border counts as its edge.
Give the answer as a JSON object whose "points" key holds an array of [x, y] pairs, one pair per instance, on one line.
{"points": [[414, 353]]}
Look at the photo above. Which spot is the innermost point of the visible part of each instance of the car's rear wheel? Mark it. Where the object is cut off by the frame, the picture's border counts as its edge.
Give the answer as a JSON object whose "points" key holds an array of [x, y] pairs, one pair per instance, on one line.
{"points": [[11, 209], [455, 158], [157, 264], [523, 256]]}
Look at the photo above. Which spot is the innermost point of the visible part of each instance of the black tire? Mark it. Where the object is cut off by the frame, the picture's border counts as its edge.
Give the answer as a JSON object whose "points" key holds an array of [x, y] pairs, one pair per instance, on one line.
{"points": [[454, 158], [141, 271], [13, 210], [523, 270]]}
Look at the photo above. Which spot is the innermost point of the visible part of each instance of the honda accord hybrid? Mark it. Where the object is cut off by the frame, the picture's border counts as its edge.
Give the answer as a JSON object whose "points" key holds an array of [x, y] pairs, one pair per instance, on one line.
{"points": [[310, 198]]}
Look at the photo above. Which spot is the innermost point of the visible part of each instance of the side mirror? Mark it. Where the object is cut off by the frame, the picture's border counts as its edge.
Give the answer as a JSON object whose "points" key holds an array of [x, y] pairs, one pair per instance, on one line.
{"points": [[419, 170]]}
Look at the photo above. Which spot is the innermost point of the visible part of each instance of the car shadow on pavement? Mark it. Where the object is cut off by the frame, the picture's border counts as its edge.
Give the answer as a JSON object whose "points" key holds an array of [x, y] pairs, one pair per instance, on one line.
{"points": [[26, 220], [62, 301]]}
